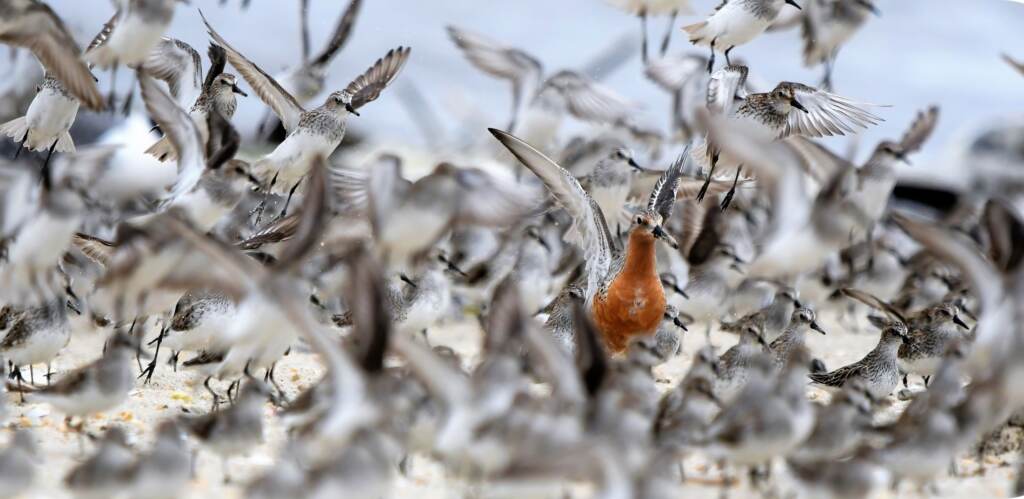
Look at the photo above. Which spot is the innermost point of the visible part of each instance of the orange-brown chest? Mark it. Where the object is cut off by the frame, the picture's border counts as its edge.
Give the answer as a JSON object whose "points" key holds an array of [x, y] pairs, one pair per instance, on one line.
{"points": [[634, 303]]}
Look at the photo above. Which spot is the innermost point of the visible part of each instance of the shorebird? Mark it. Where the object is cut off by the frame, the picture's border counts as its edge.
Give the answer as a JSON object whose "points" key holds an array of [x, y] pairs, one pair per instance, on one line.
{"points": [[39, 334], [34, 25], [734, 23], [129, 36], [200, 318], [47, 121], [839, 427], [96, 387], [178, 64], [539, 104], [878, 370], [826, 25], [18, 463], [102, 474], [305, 80], [234, 430], [793, 336], [164, 471], [734, 365], [644, 8], [623, 290], [314, 132]]}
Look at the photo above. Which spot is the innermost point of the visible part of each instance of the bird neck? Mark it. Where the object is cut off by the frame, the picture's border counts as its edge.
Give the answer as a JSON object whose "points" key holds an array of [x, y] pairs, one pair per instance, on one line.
{"points": [[640, 256]]}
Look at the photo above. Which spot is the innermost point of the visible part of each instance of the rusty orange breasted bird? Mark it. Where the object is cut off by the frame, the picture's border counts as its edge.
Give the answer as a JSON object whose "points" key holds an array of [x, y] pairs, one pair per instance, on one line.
{"points": [[622, 289]]}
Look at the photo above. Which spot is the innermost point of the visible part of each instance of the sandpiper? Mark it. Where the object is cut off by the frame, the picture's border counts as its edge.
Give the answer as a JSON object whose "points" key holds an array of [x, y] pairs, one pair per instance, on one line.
{"points": [[827, 25], [623, 291], [46, 122], [235, 430], [129, 36], [102, 474], [930, 336], [838, 427], [609, 185], [878, 370], [793, 336], [179, 65], [33, 24], [306, 80], [314, 132], [36, 338], [734, 23], [18, 463], [734, 364], [96, 387]]}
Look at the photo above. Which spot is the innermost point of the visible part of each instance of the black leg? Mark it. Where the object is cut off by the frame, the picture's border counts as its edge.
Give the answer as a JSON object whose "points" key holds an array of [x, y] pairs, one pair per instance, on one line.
{"points": [[707, 181], [289, 200], [21, 144], [112, 97], [732, 190], [668, 32], [711, 60], [216, 398], [31, 375], [44, 173], [49, 374], [643, 35], [905, 381], [727, 61], [263, 203], [173, 361], [151, 367], [926, 380]]}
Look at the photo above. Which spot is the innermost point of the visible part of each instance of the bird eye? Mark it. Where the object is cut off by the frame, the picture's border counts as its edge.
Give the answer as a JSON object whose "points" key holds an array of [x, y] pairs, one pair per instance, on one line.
{"points": [[639, 220]]}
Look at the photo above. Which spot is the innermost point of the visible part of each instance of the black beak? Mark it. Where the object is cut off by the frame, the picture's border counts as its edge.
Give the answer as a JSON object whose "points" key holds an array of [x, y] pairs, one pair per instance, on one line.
{"points": [[902, 157], [715, 369], [794, 4], [795, 103], [761, 340], [870, 6], [408, 281], [349, 108], [451, 266], [660, 233], [960, 322], [679, 324], [536, 237], [816, 327], [798, 303], [632, 162], [235, 89]]}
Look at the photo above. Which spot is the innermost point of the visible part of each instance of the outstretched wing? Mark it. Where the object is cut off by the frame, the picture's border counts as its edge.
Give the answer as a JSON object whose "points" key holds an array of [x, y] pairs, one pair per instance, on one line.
{"points": [[724, 87], [178, 126], [826, 114], [920, 130], [341, 33], [179, 65], [596, 240], [368, 86], [588, 100], [284, 105], [663, 196], [500, 61]]}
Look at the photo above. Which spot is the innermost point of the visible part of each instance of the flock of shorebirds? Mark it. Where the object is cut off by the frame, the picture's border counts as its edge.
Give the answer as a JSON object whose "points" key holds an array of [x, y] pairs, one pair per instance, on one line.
{"points": [[584, 273]]}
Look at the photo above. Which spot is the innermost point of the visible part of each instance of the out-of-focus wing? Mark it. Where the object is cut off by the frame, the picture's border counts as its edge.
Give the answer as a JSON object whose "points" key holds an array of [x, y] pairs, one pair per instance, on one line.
{"points": [[368, 86], [826, 114], [179, 65]]}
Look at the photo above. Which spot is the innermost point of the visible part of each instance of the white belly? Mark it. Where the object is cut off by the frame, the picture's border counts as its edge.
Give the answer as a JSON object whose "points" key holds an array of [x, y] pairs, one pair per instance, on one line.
{"points": [[41, 348], [290, 161], [133, 40], [49, 115], [733, 26]]}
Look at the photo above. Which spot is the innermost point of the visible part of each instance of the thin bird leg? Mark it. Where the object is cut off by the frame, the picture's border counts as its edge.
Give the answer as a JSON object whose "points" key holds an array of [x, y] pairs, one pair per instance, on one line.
{"points": [[643, 34], [173, 361], [44, 173], [126, 107], [711, 60], [289, 200], [263, 202], [112, 97], [668, 32], [273, 382], [21, 144], [49, 374], [707, 181], [304, 28], [732, 190], [216, 398], [31, 375], [727, 61], [151, 367]]}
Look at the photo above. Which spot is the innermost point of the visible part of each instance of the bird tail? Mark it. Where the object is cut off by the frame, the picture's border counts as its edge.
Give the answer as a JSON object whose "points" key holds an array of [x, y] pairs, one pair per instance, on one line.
{"points": [[101, 56], [15, 128], [696, 32], [65, 143], [162, 150]]}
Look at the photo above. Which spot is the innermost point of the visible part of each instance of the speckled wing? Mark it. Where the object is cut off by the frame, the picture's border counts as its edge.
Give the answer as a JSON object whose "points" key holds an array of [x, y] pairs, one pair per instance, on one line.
{"points": [[500, 61], [284, 105], [368, 86], [342, 32], [663, 196], [827, 114], [838, 377], [177, 126], [588, 100], [372, 191], [724, 88], [920, 130], [39, 29], [180, 66], [594, 237]]}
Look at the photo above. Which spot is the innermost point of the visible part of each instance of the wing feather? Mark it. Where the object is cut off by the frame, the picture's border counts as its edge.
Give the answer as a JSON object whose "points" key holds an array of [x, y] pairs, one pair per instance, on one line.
{"points": [[827, 114], [368, 86]]}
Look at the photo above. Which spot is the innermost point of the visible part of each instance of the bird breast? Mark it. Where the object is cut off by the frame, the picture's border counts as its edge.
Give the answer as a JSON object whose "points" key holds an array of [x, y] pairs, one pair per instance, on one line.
{"points": [[634, 302]]}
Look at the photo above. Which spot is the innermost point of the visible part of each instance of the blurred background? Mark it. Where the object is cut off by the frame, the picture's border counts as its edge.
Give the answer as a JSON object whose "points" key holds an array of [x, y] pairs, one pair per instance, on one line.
{"points": [[918, 52]]}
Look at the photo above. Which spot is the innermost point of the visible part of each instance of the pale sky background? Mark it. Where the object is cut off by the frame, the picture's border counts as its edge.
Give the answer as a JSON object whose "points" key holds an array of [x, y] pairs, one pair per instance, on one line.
{"points": [[917, 53]]}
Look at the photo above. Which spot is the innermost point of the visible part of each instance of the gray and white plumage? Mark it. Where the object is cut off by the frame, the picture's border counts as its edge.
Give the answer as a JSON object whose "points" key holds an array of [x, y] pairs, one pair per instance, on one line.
{"points": [[95, 387], [34, 25], [47, 121], [165, 470], [38, 335], [878, 370], [129, 36], [734, 365], [793, 337], [102, 474]]}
